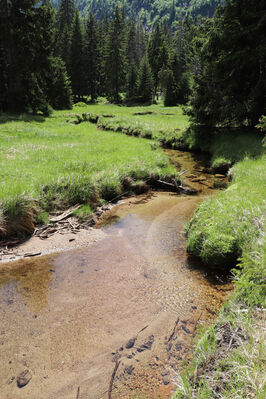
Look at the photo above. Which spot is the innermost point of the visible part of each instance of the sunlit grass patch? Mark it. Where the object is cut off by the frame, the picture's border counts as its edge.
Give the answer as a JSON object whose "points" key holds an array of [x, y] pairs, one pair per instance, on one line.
{"points": [[55, 164], [224, 226]]}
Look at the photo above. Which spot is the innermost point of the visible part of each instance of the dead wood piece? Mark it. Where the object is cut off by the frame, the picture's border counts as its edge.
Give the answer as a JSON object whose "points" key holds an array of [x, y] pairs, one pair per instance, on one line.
{"points": [[196, 324], [28, 255], [117, 363], [166, 183], [78, 391], [174, 331], [65, 214]]}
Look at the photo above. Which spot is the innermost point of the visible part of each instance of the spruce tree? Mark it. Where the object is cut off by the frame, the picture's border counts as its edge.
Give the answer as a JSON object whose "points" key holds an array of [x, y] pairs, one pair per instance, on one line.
{"points": [[76, 62], [30, 33], [115, 58], [91, 57], [59, 90], [4, 40], [157, 53], [230, 85], [65, 14], [102, 33], [145, 88], [64, 21], [132, 83]]}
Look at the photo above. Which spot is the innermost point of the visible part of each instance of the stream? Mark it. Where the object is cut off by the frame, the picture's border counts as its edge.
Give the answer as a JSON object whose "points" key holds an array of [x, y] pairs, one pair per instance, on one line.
{"points": [[117, 318]]}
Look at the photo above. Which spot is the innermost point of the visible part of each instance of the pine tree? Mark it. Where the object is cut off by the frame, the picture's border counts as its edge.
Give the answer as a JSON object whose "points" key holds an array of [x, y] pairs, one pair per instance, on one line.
{"points": [[140, 41], [230, 86], [131, 47], [145, 88], [115, 58], [64, 21], [4, 40], [59, 90], [30, 33], [102, 33], [91, 57], [76, 63], [177, 88], [132, 83], [65, 15], [157, 53]]}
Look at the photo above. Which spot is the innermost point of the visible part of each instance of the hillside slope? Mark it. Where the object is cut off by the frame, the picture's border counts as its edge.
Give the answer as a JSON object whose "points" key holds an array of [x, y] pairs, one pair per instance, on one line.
{"points": [[150, 11]]}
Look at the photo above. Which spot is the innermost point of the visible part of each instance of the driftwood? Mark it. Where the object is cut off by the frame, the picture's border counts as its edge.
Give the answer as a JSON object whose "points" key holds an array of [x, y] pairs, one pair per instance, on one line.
{"points": [[65, 214]]}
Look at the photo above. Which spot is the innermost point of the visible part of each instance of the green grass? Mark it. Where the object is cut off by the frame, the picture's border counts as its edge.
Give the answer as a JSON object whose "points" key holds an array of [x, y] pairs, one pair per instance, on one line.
{"points": [[225, 146], [163, 124], [225, 226], [231, 364], [51, 163], [229, 358], [169, 127]]}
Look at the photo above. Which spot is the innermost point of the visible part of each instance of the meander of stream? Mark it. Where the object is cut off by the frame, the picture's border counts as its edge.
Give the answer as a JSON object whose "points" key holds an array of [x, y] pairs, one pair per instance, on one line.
{"points": [[117, 318]]}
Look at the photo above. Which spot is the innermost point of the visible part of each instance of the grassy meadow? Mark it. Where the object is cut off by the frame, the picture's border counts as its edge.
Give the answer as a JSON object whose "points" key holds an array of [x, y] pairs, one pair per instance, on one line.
{"points": [[170, 128], [51, 163]]}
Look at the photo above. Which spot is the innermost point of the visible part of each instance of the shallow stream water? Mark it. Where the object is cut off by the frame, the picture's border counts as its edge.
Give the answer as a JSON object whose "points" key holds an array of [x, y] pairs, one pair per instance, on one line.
{"points": [[133, 299]]}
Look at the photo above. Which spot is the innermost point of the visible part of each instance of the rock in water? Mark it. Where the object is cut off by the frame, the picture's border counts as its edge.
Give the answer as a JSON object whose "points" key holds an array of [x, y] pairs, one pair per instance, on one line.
{"points": [[24, 378], [131, 343]]}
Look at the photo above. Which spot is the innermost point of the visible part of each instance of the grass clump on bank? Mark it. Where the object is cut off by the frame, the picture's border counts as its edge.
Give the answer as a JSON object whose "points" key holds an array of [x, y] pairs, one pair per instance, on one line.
{"points": [[223, 227], [49, 164], [225, 146]]}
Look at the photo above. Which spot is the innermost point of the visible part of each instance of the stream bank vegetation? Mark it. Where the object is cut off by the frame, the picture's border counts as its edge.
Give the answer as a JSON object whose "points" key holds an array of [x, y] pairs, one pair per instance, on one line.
{"points": [[229, 360]]}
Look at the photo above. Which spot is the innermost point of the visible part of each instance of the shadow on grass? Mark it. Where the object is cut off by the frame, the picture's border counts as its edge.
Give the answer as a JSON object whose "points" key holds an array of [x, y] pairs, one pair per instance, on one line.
{"points": [[9, 117]]}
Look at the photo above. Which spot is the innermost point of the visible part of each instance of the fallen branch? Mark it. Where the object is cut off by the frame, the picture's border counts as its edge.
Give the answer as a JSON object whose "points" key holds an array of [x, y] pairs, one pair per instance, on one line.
{"points": [[174, 331], [196, 324], [117, 363], [65, 214], [77, 397]]}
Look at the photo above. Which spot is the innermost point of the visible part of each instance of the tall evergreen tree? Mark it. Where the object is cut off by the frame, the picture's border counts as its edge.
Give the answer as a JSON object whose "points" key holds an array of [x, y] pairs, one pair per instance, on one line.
{"points": [[4, 40], [230, 88], [65, 14], [30, 33], [64, 21], [76, 63], [115, 58], [157, 53], [102, 33], [59, 89], [132, 83], [91, 57], [146, 84]]}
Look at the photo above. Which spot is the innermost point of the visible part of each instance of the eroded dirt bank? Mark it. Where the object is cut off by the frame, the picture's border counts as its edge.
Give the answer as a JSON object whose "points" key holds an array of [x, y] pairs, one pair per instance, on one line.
{"points": [[114, 319]]}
